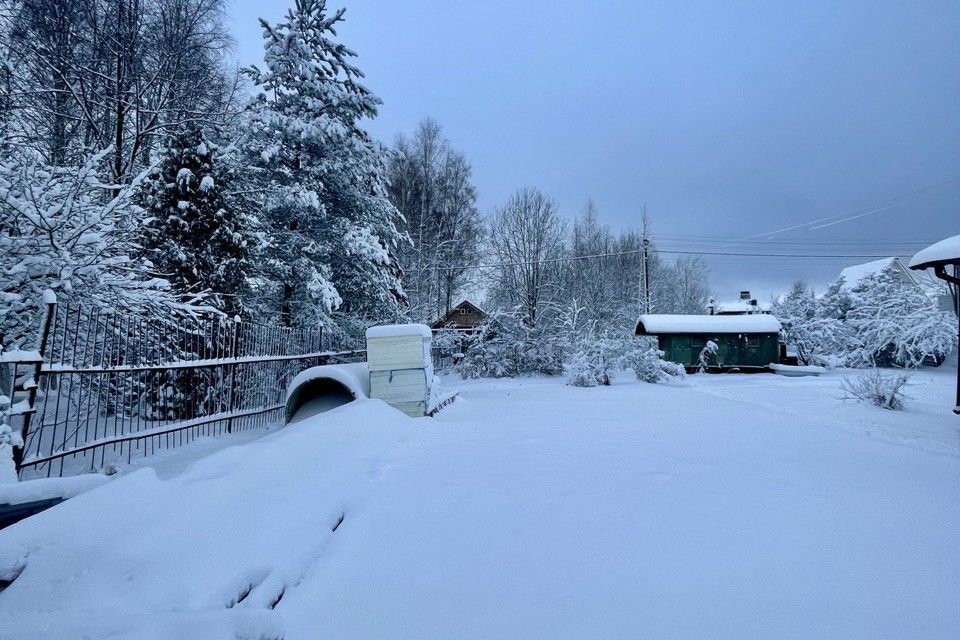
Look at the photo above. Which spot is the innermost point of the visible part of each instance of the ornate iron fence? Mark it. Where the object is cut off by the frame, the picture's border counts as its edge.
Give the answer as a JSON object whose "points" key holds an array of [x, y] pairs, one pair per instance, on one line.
{"points": [[105, 386]]}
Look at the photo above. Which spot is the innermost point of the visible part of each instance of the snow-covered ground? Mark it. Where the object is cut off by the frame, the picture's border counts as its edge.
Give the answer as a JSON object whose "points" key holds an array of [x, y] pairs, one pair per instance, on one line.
{"points": [[732, 506]]}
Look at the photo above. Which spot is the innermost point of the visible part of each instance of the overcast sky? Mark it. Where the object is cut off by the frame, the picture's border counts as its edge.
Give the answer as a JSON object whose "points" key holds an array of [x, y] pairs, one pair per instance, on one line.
{"points": [[727, 119]]}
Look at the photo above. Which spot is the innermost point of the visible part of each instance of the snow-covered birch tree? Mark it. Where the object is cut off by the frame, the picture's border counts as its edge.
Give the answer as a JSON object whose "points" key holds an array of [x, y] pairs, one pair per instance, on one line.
{"points": [[528, 244], [431, 185]]}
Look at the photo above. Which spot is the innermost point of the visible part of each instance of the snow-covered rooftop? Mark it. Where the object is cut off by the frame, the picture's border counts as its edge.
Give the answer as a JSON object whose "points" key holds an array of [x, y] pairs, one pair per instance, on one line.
{"points": [[667, 323], [742, 306], [395, 330], [852, 276], [947, 250]]}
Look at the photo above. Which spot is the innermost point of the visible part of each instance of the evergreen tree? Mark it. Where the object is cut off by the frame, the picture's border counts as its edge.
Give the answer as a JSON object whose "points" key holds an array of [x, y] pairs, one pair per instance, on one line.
{"points": [[333, 230], [191, 234]]}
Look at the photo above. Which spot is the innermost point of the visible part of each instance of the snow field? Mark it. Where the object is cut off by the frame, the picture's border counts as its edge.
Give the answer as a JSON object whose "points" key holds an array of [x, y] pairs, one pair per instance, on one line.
{"points": [[729, 506]]}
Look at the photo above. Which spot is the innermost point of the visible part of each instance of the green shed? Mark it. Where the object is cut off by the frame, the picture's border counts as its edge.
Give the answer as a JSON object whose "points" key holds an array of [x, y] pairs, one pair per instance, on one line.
{"points": [[748, 342]]}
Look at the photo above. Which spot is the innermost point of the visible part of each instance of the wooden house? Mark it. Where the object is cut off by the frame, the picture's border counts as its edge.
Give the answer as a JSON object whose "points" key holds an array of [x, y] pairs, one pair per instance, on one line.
{"points": [[466, 317], [745, 342]]}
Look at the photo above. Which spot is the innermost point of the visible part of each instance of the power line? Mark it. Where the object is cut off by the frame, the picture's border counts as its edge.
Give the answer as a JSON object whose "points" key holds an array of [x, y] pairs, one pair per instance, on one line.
{"points": [[854, 214], [670, 237], [639, 252]]}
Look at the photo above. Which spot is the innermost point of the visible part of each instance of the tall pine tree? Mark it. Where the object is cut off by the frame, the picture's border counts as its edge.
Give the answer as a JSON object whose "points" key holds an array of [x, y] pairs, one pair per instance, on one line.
{"points": [[333, 230], [192, 234]]}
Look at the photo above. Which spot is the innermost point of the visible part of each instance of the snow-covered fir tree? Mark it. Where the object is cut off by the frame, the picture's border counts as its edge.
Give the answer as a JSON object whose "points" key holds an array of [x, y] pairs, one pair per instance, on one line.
{"points": [[192, 234], [333, 230]]}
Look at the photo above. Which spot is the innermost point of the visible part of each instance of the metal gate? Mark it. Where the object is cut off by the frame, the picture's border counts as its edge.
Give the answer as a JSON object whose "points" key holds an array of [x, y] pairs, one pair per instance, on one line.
{"points": [[104, 386]]}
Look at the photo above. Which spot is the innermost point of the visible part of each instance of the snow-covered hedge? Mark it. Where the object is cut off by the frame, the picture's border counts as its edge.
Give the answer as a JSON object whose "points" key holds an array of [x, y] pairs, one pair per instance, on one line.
{"points": [[507, 347]]}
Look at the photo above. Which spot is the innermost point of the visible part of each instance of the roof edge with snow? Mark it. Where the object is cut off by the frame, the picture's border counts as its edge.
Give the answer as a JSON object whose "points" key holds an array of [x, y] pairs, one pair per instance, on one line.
{"points": [[653, 324], [946, 251]]}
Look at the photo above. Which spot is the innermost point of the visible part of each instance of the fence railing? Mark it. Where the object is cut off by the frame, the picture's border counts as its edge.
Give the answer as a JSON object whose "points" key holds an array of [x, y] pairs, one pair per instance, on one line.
{"points": [[106, 387]]}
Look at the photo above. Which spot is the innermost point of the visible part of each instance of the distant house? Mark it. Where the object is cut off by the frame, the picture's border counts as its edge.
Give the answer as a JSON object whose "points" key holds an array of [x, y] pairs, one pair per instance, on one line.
{"points": [[745, 306], [466, 317], [852, 276]]}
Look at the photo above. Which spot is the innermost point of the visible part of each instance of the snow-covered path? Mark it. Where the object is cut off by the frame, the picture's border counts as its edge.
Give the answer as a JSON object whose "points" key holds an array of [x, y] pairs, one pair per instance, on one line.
{"points": [[731, 507]]}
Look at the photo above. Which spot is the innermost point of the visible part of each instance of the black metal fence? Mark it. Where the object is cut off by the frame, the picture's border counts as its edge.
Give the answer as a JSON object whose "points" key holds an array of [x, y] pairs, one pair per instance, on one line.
{"points": [[109, 387]]}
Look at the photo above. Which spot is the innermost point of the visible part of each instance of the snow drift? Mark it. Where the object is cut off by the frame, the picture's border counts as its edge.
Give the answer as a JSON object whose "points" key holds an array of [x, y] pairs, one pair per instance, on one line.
{"points": [[206, 554]]}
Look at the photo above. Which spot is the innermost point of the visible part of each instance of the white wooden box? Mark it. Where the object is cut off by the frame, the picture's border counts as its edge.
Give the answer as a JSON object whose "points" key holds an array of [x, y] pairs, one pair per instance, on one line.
{"points": [[404, 389], [400, 367], [398, 347], [402, 385]]}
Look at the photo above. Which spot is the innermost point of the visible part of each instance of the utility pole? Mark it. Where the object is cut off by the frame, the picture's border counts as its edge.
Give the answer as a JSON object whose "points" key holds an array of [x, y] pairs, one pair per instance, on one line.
{"points": [[645, 283], [646, 275]]}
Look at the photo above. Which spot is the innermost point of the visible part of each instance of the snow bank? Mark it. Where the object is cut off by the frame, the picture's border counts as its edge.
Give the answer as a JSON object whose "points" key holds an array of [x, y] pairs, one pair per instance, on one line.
{"points": [[203, 555], [395, 330], [794, 371], [45, 488], [945, 250], [667, 323]]}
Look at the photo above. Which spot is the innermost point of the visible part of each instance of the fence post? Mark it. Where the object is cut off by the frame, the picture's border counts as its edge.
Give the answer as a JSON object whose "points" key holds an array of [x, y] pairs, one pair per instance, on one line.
{"points": [[233, 371], [50, 304]]}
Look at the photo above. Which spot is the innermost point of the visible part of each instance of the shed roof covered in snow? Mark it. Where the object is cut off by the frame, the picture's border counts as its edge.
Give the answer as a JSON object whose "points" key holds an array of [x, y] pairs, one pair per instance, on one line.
{"points": [[654, 324], [943, 252], [854, 275]]}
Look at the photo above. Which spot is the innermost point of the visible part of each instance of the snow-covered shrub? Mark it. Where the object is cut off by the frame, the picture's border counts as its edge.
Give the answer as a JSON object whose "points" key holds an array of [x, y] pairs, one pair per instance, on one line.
{"points": [[709, 351], [594, 360], [648, 364], [8, 440], [8, 437], [885, 391], [507, 347], [578, 372]]}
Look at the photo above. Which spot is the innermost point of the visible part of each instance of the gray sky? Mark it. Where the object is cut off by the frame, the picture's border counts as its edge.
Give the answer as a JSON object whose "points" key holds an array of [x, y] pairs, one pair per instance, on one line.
{"points": [[727, 119]]}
